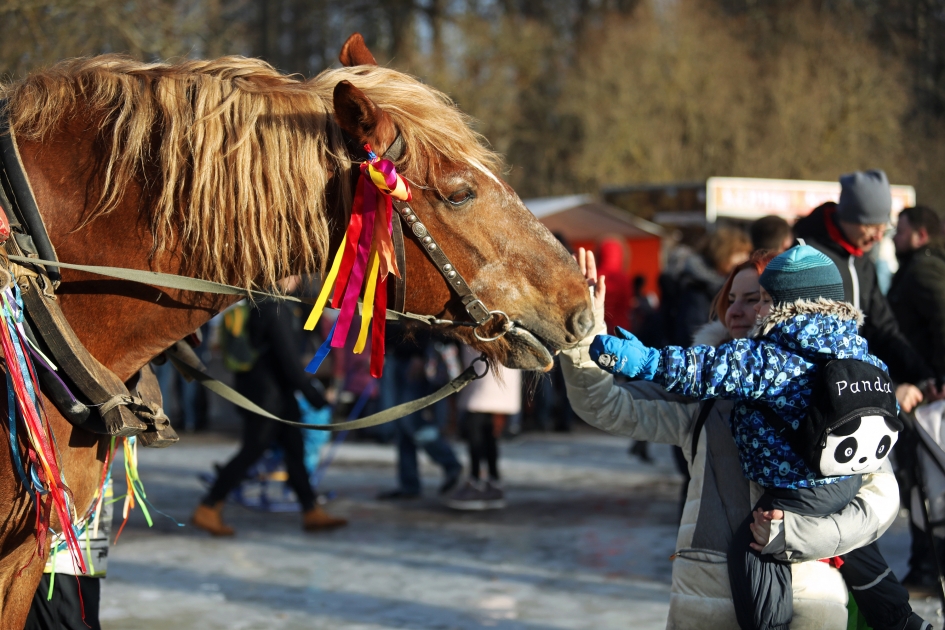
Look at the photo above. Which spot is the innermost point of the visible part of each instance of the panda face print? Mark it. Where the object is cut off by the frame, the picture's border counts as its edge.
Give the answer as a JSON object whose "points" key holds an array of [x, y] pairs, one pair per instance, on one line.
{"points": [[845, 451], [858, 446]]}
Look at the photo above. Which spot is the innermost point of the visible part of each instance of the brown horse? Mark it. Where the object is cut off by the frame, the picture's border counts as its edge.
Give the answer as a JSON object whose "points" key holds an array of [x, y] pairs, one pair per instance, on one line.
{"points": [[230, 171]]}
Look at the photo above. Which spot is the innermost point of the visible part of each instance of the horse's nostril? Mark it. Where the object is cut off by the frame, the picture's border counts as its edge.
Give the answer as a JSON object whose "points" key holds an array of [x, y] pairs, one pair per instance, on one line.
{"points": [[581, 323]]}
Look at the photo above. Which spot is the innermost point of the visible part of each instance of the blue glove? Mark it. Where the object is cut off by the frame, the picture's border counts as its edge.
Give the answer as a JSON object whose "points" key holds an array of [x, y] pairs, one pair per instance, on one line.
{"points": [[624, 355]]}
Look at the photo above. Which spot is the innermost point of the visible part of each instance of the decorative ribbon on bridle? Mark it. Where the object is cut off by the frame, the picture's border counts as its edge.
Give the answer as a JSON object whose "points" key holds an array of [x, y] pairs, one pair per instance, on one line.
{"points": [[363, 261]]}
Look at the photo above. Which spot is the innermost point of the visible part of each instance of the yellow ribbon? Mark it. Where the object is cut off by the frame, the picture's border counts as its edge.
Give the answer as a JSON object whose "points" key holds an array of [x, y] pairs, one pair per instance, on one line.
{"points": [[368, 309], [316, 313]]}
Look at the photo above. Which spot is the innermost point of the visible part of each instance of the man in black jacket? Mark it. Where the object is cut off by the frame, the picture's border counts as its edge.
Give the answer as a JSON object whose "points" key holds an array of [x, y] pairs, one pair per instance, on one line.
{"points": [[917, 297], [846, 232], [917, 294], [275, 329]]}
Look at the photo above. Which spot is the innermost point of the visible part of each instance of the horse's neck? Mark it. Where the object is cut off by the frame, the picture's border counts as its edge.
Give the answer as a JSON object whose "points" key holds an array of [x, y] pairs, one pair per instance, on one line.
{"points": [[122, 324]]}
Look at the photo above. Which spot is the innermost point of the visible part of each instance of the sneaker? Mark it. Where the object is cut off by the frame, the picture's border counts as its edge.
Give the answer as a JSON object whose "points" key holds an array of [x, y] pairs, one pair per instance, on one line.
{"points": [[450, 483], [477, 495], [495, 496]]}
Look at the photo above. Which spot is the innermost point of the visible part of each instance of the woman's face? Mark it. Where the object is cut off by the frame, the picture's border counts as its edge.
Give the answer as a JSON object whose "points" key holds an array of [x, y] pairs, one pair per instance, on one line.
{"points": [[763, 307], [744, 296]]}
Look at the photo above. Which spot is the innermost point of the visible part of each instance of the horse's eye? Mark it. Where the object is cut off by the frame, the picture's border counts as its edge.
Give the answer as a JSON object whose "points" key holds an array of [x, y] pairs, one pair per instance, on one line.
{"points": [[461, 197]]}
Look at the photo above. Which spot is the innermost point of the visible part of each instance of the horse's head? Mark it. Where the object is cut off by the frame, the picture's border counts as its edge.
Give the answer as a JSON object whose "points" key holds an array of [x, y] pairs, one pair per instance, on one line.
{"points": [[510, 260]]}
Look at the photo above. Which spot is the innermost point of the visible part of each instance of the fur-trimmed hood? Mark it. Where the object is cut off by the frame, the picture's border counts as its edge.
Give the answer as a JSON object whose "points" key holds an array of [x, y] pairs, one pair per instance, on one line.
{"points": [[712, 334], [816, 329]]}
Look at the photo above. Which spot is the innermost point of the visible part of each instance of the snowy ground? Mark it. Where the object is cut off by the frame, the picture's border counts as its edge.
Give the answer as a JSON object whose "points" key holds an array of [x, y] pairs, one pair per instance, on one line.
{"points": [[584, 543]]}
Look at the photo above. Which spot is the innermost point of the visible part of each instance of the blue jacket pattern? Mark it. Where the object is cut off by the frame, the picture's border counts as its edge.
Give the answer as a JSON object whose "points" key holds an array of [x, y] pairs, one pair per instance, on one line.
{"points": [[776, 369]]}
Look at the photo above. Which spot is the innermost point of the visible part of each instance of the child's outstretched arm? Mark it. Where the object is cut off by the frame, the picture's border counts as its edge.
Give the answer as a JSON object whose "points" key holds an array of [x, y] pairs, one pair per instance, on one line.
{"points": [[743, 369]]}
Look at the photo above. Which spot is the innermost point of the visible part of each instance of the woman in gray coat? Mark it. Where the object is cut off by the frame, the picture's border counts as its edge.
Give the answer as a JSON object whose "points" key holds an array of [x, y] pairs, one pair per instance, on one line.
{"points": [[718, 495]]}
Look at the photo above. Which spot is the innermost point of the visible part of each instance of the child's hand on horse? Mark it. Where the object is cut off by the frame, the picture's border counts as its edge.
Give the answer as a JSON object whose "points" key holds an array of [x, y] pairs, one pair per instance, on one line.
{"points": [[624, 354], [761, 528]]}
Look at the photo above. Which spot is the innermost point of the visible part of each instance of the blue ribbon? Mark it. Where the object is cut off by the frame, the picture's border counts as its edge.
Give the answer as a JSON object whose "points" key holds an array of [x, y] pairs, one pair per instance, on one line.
{"points": [[14, 445], [323, 351]]}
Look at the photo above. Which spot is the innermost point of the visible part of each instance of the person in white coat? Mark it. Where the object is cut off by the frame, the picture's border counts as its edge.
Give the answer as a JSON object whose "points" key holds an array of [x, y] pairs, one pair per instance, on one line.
{"points": [[485, 405], [718, 494]]}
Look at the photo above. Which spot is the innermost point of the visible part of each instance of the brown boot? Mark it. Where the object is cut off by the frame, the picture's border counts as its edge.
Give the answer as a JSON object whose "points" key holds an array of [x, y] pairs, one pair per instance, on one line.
{"points": [[210, 519], [317, 518]]}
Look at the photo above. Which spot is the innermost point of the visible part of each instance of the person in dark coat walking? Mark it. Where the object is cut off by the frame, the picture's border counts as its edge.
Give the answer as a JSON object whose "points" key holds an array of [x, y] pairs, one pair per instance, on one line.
{"points": [[847, 231], [275, 329]]}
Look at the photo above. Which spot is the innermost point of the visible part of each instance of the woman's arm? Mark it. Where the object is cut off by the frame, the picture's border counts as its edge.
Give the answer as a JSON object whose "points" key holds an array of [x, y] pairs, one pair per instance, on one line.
{"points": [[799, 538]]}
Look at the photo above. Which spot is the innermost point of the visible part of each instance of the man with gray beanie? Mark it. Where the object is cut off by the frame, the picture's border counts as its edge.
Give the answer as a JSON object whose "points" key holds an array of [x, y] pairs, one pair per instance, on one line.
{"points": [[845, 232]]}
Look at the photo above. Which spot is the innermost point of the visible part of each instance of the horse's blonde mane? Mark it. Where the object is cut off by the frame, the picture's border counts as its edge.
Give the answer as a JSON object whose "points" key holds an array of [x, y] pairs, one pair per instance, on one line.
{"points": [[234, 156]]}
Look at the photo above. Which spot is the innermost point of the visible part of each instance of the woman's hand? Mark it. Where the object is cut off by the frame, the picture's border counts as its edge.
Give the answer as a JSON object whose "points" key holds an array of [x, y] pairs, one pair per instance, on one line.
{"points": [[909, 396], [588, 265], [761, 528]]}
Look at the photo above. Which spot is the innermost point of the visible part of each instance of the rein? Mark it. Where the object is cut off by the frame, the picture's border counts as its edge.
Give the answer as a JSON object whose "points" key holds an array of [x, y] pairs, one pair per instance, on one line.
{"points": [[125, 414]]}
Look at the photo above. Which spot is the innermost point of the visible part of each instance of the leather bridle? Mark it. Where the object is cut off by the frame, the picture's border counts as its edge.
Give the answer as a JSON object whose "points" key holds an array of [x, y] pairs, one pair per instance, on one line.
{"points": [[475, 308]]}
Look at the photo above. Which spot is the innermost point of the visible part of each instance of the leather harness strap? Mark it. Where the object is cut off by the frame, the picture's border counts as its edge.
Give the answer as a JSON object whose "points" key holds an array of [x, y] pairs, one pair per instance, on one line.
{"points": [[398, 285], [185, 360], [23, 204], [119, 413], [185, 283]]}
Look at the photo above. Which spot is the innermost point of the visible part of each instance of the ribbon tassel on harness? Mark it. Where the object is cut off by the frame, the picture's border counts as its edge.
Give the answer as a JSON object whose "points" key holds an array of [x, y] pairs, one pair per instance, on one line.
{"points": [[364, 260]]}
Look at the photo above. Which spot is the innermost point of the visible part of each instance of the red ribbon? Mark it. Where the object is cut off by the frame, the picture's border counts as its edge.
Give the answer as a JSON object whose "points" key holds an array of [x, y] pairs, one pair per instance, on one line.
{"points": [[349, 302], [351, 245], [379, 324], [836, 562]]}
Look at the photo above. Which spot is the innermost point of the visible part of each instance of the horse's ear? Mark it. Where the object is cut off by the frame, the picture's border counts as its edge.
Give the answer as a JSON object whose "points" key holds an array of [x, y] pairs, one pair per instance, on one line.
{"points": [[355, 53], [360, 117]]}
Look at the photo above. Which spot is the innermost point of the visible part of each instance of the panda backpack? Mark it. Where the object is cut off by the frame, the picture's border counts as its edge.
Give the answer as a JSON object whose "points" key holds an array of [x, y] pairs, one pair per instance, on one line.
{"points": [[851, 424]]}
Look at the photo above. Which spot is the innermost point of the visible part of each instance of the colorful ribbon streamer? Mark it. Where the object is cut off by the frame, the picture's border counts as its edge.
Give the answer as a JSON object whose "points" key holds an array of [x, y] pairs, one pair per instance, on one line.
{"points": [[44, 481], [362, 263]]}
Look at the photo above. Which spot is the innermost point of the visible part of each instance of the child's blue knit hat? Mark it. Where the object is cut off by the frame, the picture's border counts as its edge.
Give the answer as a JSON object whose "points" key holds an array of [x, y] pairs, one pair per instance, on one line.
{"points": [[802, 273]]}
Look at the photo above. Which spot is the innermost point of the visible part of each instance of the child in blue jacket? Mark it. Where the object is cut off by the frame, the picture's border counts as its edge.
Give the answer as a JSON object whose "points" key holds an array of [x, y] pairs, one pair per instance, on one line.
{"points": [[774, 376]]}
